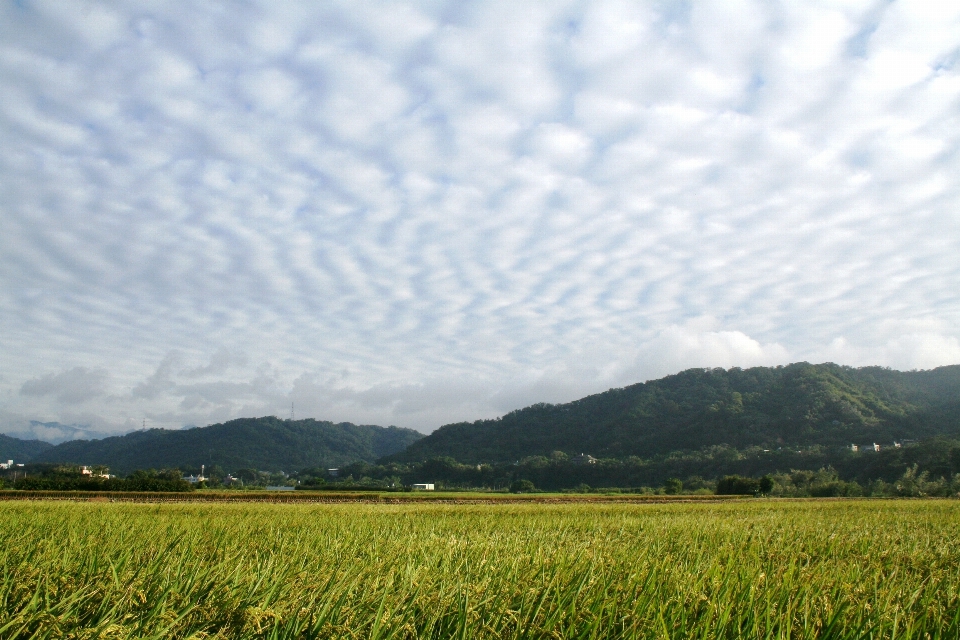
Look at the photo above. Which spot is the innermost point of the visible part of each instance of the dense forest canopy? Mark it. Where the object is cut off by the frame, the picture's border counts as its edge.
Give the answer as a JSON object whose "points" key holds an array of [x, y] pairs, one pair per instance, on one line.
{"points": [[268, 444], [795, 405], [21, 450]]}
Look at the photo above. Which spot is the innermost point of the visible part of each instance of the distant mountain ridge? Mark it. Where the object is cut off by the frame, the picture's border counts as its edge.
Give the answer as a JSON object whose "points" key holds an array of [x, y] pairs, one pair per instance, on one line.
{"points": [[797, 404], [21, 450], [266, 444], [794, 405]]}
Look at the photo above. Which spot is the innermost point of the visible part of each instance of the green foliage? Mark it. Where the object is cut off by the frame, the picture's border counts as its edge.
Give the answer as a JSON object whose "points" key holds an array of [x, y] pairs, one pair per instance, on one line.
{"points": [[796, 406], [21, 450], [68, 483], [698, 470], [672, 486], [748, 569], [67, 478], [267, 444], [738, 486], [766, 485], [522, 486]]}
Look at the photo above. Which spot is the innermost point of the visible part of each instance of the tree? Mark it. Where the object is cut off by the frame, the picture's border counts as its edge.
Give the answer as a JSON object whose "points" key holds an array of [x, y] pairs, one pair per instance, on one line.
{"points": [[737, 486], [766, 485], [522, 486], [672, 486], [248, 476]]}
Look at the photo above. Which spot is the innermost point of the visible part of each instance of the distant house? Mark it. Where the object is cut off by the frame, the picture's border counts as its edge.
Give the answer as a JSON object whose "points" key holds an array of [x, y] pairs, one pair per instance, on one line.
{"points": [[6, 465], [87, 471], [333, 473], [583, 458], [423, 486], [192, 479]]}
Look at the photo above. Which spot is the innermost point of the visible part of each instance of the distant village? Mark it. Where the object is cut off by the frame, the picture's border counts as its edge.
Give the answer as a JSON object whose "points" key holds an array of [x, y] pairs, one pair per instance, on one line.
{"points": [[876, 447], [329, 477]]}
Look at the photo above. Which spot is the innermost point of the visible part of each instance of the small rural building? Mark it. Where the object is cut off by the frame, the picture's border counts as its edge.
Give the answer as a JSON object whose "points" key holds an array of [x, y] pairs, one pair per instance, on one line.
{"points": [[583, 458], [423, 486], [87, 471], [6, 465], [333, 473]]}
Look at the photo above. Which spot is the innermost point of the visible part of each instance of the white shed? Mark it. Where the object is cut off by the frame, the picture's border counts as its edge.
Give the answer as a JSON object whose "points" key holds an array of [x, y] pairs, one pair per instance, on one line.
{"points": [[424, 486]]}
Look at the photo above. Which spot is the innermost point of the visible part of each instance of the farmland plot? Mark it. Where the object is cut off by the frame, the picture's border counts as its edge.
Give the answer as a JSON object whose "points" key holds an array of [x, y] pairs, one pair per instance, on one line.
{"points": [[750, 569]]}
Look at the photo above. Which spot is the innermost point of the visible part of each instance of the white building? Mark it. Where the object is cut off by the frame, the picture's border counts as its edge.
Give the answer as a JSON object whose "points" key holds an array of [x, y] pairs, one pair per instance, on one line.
{"points": [[583, 458], [424, 486], [87, 471]]}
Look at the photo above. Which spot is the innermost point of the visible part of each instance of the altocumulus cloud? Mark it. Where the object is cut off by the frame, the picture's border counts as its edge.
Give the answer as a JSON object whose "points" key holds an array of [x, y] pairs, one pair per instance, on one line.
{"points": [[418, 213], [68, 387]]}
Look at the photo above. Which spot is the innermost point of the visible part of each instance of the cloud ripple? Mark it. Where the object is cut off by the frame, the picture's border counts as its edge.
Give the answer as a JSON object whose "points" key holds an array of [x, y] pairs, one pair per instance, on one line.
{"points": [[416, 213]]}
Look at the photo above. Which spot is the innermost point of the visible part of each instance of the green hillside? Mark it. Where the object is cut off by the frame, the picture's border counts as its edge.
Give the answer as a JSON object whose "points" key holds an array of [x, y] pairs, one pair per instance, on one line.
{"points": [[267, 444], [799, 404], [21, 450]]}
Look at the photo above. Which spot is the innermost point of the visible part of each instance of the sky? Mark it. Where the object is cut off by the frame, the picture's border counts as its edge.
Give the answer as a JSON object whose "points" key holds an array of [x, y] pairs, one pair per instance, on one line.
{"points": [[418, 213]]}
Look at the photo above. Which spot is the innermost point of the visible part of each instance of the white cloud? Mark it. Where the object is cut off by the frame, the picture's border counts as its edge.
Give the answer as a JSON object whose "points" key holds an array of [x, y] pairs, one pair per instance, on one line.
{"points": [[421, 213], [68, 387], [682, 347]]}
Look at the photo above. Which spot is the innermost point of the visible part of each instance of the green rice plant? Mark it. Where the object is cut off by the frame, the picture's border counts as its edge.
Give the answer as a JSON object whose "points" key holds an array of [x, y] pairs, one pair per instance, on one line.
{"points": [[744, 569]]}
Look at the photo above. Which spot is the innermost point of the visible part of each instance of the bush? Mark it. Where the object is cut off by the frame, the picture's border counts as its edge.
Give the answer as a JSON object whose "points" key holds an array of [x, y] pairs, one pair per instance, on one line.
{"points": [[738, 486], [836, 489], [672, 486], [522, 486], [136, 482]]}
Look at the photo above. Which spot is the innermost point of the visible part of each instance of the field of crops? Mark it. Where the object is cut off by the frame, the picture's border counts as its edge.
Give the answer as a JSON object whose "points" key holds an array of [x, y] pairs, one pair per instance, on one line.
{"points": [[745, 569]]}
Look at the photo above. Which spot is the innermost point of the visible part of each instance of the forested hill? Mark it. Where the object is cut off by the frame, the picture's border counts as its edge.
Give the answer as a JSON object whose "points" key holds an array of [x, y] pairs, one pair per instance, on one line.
{"points": [[266, 444], [21, 450], [798, 404]]}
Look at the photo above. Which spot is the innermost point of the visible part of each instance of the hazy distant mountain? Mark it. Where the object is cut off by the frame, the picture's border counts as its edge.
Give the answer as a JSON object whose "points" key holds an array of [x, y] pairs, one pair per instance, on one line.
{"points": [[267, 444], [798, 404], [21, 450]]}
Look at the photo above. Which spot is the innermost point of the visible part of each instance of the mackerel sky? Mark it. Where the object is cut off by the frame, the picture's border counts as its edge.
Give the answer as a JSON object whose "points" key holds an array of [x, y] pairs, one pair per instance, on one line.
{"points": [[422, 213]]}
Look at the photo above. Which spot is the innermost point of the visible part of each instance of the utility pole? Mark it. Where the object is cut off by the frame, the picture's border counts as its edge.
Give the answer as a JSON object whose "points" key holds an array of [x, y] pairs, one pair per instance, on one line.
{"points": [[291, 412]]}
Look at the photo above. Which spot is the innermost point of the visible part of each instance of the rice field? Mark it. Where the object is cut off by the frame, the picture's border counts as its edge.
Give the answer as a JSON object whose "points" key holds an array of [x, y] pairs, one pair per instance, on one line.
{"points": [[744, 569]]}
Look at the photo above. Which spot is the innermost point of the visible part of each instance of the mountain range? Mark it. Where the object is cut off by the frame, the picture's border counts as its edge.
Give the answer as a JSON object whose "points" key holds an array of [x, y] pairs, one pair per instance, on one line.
{"points": [[21, 450], [266, 444], [796, 405]]}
